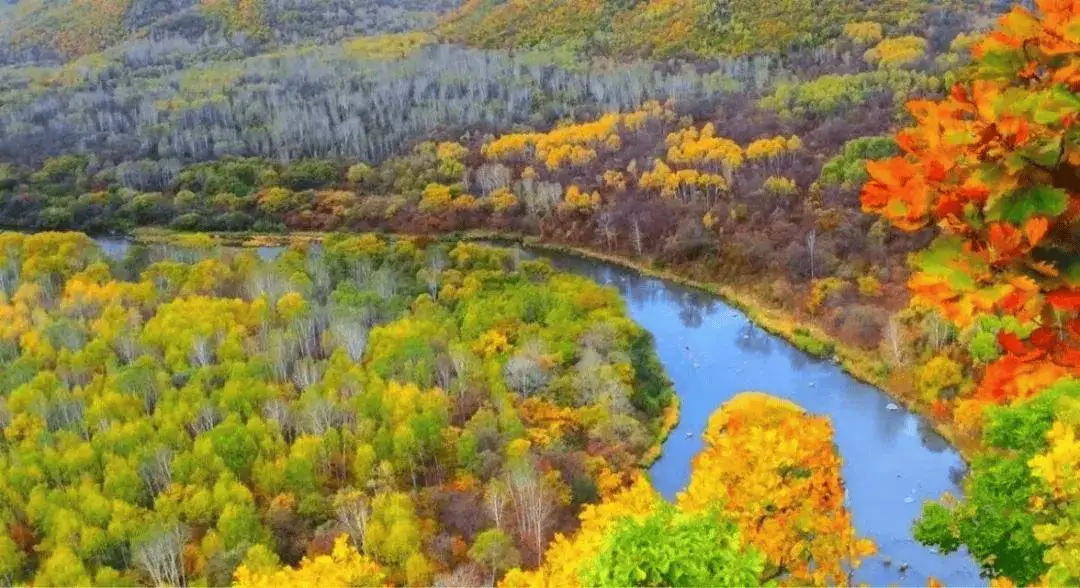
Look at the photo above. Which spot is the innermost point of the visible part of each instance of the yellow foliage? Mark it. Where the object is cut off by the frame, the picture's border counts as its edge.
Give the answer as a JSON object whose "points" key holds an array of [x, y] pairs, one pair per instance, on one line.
{"points": [[576, 199], [464, 202], [775, 471], [502, 200], [821, 289], [897, 52], [291, 305], [1058, 473], [614, 179], [780, 185], [344, 566], [450, 150], [394, 46], [435, 197], [576, 144], [869, 286], [863, 32], [566, 555], [702, 147], [491, 343]]}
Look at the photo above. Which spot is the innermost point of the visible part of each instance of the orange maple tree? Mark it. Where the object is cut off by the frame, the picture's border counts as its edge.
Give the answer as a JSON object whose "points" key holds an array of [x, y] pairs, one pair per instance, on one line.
{"points": [[995, 166]]}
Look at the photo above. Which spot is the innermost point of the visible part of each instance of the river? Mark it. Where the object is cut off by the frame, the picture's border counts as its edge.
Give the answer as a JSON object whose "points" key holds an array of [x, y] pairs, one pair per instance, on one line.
{"points": [[893, 460]]}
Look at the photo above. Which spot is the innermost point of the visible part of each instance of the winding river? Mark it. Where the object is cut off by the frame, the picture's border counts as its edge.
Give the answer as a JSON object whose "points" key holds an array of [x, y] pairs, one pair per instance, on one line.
{"points": [[893, 460]]}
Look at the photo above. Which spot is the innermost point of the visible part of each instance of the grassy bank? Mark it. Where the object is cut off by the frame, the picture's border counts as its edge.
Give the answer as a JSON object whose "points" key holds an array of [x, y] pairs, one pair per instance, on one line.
{"points": [[859, 363]]}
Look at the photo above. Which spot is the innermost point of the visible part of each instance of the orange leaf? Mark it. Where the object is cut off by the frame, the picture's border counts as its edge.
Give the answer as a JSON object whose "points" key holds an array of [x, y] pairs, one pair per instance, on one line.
{"points": [[1035, 229], [1004, 238]]}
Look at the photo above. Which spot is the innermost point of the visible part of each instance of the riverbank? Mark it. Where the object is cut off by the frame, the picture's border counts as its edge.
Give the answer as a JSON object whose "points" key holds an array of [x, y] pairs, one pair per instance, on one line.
{"points": [[860, 364]]}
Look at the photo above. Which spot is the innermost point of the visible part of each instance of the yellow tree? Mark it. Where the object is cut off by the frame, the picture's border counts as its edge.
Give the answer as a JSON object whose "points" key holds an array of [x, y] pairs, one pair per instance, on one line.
{"points": [[344, 566], [775, 471]]}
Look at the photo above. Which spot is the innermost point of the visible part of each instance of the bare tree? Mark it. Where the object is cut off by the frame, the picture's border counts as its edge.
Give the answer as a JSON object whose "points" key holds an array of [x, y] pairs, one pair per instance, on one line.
{"points": [[353, 512], [534, 505], [463, 576], [811, 241], [496, 501], [279, 412], [937, 331], [156, 471], [432, 274], [160, 556], [894, 341], [206, 420], [492, 176], [635, 235], [282, 351], [525, 374], [352, 334], [202, 352], [307, 372], [321, 416]]}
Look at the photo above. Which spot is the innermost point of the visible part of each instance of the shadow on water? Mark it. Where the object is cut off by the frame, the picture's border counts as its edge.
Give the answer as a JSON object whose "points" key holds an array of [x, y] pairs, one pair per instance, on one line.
{"points": [[893, 460]]}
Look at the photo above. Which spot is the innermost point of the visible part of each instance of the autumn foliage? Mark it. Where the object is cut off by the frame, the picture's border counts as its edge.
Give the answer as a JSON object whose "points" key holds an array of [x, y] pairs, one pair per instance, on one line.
{"points": [[775, 471], [767, 467], [995, 166]]}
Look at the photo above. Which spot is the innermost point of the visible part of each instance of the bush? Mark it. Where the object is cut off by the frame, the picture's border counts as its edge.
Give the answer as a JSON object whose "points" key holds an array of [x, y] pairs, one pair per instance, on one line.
{"points": [[811, 344]]}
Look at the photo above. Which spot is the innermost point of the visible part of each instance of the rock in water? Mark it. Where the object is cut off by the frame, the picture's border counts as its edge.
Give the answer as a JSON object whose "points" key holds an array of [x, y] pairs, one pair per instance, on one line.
{"points": [[892, 406]]}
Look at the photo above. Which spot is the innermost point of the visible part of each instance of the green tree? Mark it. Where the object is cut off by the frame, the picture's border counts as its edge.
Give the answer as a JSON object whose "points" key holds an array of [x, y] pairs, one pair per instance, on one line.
{"points": [[674, 549], [496, 551]]}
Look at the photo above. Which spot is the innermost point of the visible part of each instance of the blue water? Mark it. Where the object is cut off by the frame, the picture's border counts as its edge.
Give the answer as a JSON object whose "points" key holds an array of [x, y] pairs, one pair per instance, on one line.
{"points": [[893, 460]]}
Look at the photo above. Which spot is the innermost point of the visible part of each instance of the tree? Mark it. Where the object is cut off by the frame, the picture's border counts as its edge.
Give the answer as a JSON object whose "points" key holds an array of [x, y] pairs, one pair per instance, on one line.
{"points": [[674, 549], [534, 504], [996, 165], [344, 566], [159, 555], [775, 472], [353, 512], [496, 551]]}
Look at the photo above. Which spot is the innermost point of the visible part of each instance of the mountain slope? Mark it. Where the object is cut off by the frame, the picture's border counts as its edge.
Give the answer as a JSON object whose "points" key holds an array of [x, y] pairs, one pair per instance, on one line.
{"points": [[665, 28], [56, 31]]}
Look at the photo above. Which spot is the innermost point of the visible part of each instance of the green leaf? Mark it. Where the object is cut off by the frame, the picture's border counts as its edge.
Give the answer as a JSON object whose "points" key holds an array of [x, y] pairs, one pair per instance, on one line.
{"points": [[1018, 207]]}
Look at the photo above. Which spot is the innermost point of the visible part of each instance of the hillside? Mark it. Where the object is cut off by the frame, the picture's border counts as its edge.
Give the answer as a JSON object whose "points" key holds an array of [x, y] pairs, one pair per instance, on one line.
{"points": [[55, 31], [892, 185], [666, 28]]}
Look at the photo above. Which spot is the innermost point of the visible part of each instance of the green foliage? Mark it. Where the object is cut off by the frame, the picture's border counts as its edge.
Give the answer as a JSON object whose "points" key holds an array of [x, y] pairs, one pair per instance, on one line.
{"points": [[665, 28], [495, 550], [808, 343], [995, 521], [670, 548], [215, 405], [830, 93], [848, 168]]}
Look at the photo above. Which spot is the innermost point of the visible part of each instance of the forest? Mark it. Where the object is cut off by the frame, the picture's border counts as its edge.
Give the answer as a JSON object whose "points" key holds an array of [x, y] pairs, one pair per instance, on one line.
{"points": [[175, 414], [893, 186], [369, 411]]}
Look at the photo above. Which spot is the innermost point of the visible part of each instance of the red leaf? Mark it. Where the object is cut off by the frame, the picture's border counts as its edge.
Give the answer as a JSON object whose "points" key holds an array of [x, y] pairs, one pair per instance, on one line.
{"points": [[1043, 338], [1011, 343], [1064, 299]]}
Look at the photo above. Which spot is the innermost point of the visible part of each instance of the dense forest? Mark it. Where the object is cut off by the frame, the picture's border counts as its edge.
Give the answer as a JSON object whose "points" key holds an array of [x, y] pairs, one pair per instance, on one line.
{"points": [[364, 412], [432, 393], [167, 419]]}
